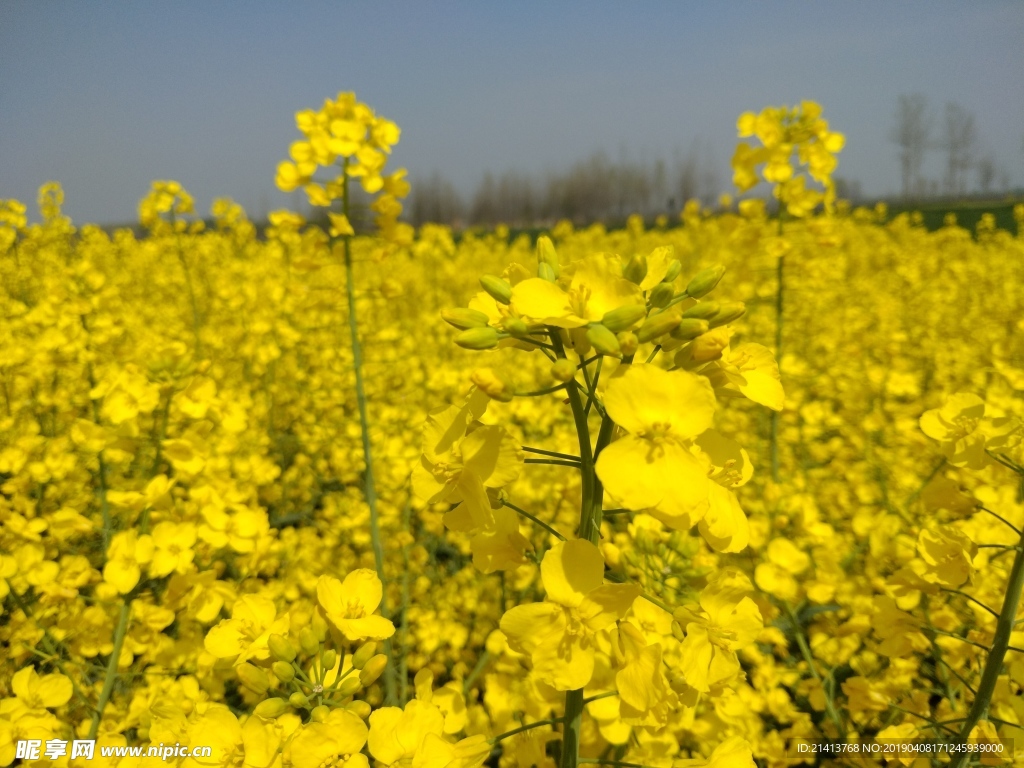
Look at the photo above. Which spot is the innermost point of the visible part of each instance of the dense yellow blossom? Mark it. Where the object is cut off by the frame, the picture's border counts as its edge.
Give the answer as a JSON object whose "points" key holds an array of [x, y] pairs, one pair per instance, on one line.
{"points": [[634, 500]]}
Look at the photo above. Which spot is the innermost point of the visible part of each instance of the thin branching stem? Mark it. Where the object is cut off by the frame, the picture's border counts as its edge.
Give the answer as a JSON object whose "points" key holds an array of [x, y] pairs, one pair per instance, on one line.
{"points": [[535, 519], [554, 454]]}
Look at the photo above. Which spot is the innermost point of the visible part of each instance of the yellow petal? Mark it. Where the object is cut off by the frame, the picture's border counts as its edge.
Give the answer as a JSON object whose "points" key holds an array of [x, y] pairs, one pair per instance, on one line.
{"points": [[607, 604], [645, 397], [543, 301], [570, 570]]}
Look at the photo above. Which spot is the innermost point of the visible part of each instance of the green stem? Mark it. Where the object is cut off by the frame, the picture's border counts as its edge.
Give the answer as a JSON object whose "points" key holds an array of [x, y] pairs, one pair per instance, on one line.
{"points": [[514, 731], [1000, 643], [805, 651], [592, 394], [535, 519], [999, 517], [539, 392], [924, 483], [481, 665], [590, 530], [115, 655], [973, 599], [370, 488], [555, 454], [554, 462], [779, 306]]}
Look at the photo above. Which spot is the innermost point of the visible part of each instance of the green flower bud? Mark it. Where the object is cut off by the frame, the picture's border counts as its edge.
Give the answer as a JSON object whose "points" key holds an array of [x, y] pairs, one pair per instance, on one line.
{"points": [[677, 631], [546, 254], [271, 708], [319, 714], [283, 671], [674, 268], [628, 342], [349, 686], [623, 318], [704, 281], [546, 272], [319, 626], [374, 668], [516, 327], [478, 338], [359, 708], [657, 325], [253, 678], [498, 289], [703, 310], [563, 370], [329, 658], [364, 654], [636, 269], [280, 648], [463, 318], [727, 312], [603, 341], [493, 384], [690, 328], [307, 640], [662, 294], [298, 700]]}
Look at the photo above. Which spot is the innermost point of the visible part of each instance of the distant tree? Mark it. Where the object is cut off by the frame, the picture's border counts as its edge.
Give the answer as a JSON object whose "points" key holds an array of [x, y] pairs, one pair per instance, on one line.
{"points": [[848, 189], [911, 133], [959, 137], [434, 199], [986, 173]]}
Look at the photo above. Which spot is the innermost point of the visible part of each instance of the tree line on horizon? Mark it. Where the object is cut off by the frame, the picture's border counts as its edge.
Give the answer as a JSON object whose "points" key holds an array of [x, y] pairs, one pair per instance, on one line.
{"points": [[600, 188]]}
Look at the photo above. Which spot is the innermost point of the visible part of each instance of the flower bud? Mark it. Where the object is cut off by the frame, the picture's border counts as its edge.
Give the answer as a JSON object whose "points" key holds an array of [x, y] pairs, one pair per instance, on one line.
{"points": [[463, 318], [319, 626], [498, 289], [359, 708], [492, 384], [709, 346], [307, 640], [478, 338], [253, 678], [298, 700], [657, 325], [674, 268], [319, 714], [546, 254], [545, 272], [677, 631], [603, 341], [271, 708], [283, 671], [703, 310], [280, 648], [628, 342], [374, 668], [516, 327], [623, 318], [662, 294], [727, 312], [364, 654], [636, 269], [704, 281], [563, 370], [690, 328], [349, 686], [329, 658]]}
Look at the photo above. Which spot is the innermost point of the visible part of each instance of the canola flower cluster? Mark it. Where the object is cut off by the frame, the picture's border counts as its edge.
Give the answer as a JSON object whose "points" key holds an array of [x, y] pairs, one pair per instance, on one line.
{"points": [[643, 497]]}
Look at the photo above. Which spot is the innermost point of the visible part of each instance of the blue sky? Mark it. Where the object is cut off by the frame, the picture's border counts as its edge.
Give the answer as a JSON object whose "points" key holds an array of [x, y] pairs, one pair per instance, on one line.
{"points": [[106, 97]]}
